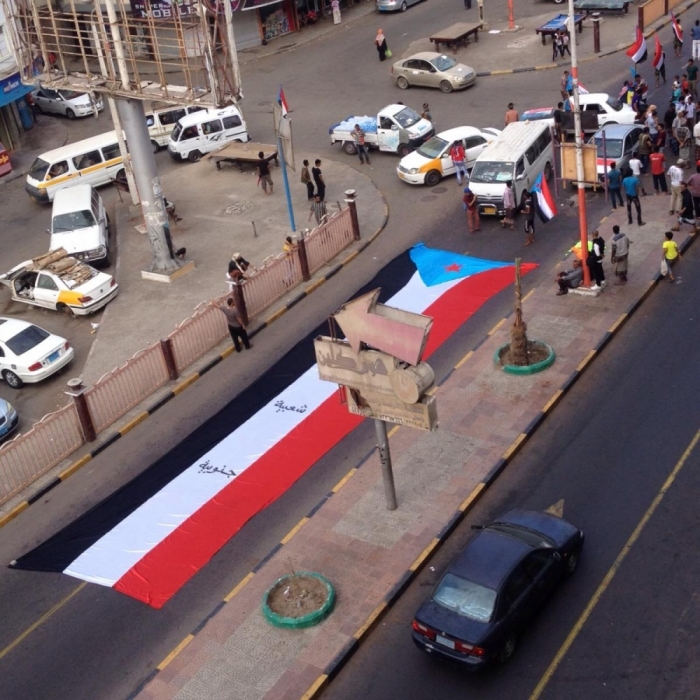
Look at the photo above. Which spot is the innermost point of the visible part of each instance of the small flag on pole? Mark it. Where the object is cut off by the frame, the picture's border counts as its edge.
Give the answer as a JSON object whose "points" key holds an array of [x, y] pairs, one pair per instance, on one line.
{"points": [[638, 51], [546, 206], [283, 102], [677, 31], [659, 55]]}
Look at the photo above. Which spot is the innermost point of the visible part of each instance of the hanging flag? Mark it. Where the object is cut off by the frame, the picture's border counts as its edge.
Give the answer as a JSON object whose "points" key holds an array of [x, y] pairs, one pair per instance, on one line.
{"points": [[659, 55], [677, 30], [582, 89], [638, 51], [546, 206], [282, 101]]}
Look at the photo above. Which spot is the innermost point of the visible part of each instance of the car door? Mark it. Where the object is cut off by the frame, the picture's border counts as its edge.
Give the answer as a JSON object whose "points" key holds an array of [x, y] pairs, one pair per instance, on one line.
{"points": [[473, 147], [446, 163], [89, 166], [45, 291], [543, 567], [415, 72], [49, 101], [514, 601], [387, 134]]}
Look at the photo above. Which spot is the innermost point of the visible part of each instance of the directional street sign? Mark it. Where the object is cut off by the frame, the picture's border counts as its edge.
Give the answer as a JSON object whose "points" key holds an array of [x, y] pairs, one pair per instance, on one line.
{"points": [[421, 415], [399, 333]]}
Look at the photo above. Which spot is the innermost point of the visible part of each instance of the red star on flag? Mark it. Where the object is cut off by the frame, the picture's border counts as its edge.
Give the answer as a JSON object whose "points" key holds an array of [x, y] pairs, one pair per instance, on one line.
{"points": [[453, 268]]}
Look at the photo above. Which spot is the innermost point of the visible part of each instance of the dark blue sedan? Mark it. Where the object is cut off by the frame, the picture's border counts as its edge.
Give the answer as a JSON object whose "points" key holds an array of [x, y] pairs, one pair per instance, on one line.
{"points": [[491, 590]]}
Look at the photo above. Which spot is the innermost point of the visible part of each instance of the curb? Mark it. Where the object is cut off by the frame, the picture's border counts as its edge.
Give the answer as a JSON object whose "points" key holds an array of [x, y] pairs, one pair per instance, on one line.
{"points": [[192, 378], [336, 665]]}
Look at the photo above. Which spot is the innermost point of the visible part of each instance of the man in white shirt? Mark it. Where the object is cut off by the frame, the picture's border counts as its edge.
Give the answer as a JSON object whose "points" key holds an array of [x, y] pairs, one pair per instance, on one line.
{"points": [[636, 168], [675, 174]]}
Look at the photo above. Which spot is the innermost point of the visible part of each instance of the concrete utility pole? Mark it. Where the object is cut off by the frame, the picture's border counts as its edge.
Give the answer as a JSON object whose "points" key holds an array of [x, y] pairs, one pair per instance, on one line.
{"points": [[385, 459], [582, 221]]}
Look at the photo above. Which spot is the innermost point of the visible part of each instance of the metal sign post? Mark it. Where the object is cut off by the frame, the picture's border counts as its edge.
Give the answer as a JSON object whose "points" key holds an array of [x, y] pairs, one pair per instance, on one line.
{"points": [[385, 459], [285, 149]]}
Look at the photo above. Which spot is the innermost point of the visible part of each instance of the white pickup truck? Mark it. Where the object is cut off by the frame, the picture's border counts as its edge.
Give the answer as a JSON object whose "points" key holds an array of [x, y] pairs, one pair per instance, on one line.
{"points": [[396, 129]]}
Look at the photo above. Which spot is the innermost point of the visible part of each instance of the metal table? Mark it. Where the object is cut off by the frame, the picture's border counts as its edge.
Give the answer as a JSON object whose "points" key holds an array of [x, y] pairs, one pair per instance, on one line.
{"points": [[557, 24], [241, 154], [457, 35]]}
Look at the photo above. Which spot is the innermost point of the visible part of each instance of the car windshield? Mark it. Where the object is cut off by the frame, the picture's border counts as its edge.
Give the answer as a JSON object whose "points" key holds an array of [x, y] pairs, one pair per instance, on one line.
{"points": [[39, 169], [533, 538], [433, 148], [614, 103], [465, 598], [443, 62], [492, 172], [176, 132], [406, 117], [27, 339], [613, 147], [70, 94], [72, 221]]}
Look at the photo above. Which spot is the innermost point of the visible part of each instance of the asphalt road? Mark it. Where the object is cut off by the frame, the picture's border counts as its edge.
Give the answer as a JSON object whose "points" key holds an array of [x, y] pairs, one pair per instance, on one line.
{"points": [[606, 450]]}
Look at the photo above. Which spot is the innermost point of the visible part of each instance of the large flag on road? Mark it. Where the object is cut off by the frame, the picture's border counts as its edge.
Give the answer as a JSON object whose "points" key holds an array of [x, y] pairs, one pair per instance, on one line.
{"points": [[638, 51], [659, 56], [156, 532], [546, 204]]}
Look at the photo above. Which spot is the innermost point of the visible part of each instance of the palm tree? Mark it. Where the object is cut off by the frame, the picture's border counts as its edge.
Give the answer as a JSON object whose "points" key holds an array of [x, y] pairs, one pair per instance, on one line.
{"points": [[518, 335]]}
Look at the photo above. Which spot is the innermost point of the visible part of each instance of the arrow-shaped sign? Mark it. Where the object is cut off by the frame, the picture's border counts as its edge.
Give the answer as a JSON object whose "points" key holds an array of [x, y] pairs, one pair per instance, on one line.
{"points": [[396, 332]]}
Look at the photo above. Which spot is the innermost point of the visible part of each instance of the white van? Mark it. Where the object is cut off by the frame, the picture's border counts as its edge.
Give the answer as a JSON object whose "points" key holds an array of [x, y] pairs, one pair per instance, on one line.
{"points": [[161, 123], [79, 224], [519, 154], [205, 131], [94, 161]]}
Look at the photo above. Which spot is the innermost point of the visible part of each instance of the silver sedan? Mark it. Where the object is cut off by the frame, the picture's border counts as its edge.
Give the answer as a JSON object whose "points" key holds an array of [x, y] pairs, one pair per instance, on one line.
{"points": [[430, 69]]}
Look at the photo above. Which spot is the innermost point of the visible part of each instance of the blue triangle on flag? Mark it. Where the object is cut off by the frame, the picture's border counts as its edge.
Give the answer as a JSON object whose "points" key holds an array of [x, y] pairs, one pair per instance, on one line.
{"points": [[437, 266]]}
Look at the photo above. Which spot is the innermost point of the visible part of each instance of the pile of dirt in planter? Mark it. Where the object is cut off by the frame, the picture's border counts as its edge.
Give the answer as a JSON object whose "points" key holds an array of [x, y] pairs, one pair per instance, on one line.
{"points": [[297, 596], [536, 352]]}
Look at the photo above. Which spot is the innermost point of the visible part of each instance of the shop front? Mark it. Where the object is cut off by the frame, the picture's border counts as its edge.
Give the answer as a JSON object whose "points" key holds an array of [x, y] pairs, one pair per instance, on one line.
{"points": [[15, 112], [275, 17]]}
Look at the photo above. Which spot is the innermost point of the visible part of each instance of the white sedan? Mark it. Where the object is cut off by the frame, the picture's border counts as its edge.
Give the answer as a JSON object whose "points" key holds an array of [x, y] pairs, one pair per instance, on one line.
{"points": [[432, 161], [29, 354], [70, 103]]}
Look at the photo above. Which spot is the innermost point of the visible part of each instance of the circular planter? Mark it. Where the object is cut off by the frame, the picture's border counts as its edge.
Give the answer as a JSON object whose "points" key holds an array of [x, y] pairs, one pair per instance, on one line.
{"points": [[298, 600], [525, 369]]}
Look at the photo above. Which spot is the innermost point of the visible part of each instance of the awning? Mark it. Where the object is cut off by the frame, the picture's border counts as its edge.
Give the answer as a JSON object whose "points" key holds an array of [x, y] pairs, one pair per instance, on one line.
{"points": [[255, 4], [11, 89]]}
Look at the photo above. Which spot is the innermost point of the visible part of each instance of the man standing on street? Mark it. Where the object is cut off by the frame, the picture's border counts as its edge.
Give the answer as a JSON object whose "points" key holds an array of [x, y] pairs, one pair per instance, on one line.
{"points": [[235, 324], [306, 179], [636, 167], [614, 178], [631, 185], [318, 209], [264, 177], [658, 168], [564, 86], [620, 246], [595, 260], [692, 72], [687, 213], [695, 34], [675, 174], [358, 136], [472, 207], [511, 114], [457, 155], [693, 183], [318, 179]]}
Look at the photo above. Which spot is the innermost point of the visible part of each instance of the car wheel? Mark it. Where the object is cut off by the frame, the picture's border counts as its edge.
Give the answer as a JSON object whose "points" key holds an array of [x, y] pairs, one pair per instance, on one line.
{"points": [[548, 172], [65, 310], [70, 114], [349, 148], [507, 651], [558, 2], [12, 379], [154, 146], [194, 156], [403, 83], [572, 562], [404, 6], [404, 149], [432, 178], [446, 86]]}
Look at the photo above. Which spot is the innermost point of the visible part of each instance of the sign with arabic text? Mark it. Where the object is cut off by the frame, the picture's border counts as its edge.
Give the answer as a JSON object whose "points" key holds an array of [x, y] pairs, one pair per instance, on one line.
{"points": [[421, 415]]}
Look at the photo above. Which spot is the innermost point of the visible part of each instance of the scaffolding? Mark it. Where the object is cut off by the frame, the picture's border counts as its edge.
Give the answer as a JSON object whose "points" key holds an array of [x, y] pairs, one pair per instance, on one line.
{"points": [[178, 52]]}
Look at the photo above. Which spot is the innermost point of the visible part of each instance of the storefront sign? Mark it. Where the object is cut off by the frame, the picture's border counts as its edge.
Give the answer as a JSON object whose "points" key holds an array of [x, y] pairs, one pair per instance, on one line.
{"points": [[5, 165], [12, 89], [161, 9]]}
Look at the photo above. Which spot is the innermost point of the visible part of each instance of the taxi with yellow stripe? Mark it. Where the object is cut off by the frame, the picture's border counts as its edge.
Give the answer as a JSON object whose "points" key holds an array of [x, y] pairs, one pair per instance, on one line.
{"points": [[431, 162], [56, 281]]}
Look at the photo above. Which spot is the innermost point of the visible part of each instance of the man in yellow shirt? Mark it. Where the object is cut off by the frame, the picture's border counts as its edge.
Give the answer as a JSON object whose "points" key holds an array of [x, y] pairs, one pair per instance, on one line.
{"points": [[671, 254]]}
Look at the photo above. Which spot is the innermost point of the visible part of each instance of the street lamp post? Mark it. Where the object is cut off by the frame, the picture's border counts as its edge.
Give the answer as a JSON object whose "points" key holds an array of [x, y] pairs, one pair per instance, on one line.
{"points": [[583, 223]]}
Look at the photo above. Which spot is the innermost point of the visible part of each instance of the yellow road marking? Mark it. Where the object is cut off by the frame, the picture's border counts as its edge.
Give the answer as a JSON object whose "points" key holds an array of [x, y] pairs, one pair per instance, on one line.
{"points": [[370, 620], [617, 323], [73, 468], [313, 287], [613, 570], [518, 441], [227, 352], [552, 401], [426, 552], [175, 652], [294, 530], [556, 508], [41, 620], [317, 685], [393, 431], [278, 314], [496, 327], [344, 480], [472, 496], [184, 384], [239, 586], [133, 423], [464, 359], [585, 360], [13, 513], [528, 295]]}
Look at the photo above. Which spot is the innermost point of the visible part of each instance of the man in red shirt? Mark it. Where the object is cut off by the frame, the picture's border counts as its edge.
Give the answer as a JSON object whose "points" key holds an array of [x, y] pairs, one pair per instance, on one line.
{"points": [[472, 206], [658, 170], [457, 154]]}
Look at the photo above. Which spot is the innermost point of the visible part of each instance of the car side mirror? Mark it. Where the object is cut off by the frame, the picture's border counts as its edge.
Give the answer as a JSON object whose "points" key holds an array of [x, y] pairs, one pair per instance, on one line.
{"points": [[520, 177], [394, 127]]}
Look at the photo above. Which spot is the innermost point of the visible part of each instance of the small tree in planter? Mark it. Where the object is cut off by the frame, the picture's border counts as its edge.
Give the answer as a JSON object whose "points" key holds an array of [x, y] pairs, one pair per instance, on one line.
{"points": [[518, 332]]}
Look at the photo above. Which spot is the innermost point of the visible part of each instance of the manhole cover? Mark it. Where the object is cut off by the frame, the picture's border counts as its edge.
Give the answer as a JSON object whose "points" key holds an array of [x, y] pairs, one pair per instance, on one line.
{"points": [[439, 190], [238, 208], [428, 198]]}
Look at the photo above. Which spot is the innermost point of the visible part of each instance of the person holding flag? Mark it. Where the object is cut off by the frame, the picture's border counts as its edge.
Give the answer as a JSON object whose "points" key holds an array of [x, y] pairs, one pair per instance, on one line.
{"points": [[638, 51], [659, 61], [545, 204], [677, 35]]}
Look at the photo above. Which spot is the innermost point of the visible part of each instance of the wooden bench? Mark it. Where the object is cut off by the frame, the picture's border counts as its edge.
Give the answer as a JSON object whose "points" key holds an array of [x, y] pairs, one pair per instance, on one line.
{"points": [[558, 24], [457, 35], [589, 6]]}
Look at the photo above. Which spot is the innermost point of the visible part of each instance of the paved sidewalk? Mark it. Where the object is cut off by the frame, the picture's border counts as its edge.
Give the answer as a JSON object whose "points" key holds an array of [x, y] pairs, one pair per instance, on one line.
{"points": [[218, 209], [369, 553]]}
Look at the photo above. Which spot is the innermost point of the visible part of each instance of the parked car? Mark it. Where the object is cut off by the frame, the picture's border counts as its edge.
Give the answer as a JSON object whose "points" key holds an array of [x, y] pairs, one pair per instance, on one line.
{"points": [[394, 5], [70, 103], [9, 420], [29, 354], [56, 281], [491, 590], [79, 224], [432, 161], [620, 144], [431, 69]]}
